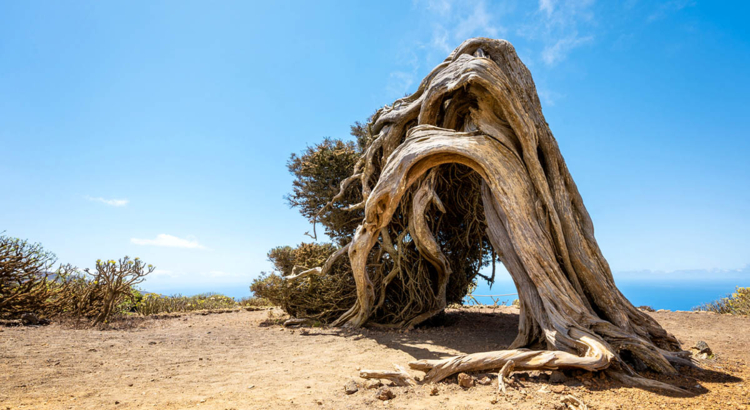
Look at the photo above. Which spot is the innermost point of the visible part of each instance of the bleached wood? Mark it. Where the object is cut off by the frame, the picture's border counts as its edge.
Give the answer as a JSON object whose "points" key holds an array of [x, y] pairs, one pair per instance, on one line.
{"points": [[479, 108], [400, 377], [503, 374]]}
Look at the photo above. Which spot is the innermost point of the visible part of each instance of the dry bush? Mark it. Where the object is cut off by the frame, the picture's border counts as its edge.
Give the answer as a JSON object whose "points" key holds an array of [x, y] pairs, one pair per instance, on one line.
{"points": [[319, 297], [25, 269], [117, 280], [738, 303]]}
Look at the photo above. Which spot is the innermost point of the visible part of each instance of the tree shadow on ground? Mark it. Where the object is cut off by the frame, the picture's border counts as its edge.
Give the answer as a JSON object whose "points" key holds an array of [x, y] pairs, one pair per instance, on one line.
{"points": [[473, 330]]}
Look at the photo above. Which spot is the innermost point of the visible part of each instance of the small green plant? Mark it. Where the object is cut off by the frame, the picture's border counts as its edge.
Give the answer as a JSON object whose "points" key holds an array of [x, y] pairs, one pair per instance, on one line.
{"points": [[738, 303], [252, 301], [154, 303]]}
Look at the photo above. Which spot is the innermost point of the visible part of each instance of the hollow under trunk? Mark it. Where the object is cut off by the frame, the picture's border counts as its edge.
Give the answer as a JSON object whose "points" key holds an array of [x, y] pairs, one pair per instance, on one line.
{"points": [[479, 110]]}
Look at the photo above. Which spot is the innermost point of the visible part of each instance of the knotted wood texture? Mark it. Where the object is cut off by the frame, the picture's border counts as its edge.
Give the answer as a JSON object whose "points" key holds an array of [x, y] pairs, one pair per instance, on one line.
{"points": [[480, 109]]}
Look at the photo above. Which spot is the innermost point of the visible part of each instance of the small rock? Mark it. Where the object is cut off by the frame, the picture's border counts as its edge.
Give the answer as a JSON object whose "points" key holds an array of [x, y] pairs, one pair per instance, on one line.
{"points": [[702, 347], [485, 381], [557, 389], [29, 319], [557, 377], [434, 391], [152, 343], [251, 386], [373, 384], [465, 381], [384, 394], [351, 387]]}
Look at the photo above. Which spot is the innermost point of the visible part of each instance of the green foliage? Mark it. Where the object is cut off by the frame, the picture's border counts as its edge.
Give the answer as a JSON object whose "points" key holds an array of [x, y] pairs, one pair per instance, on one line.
{"points": [[361, 133], [318, 173], [252, 301], [154, 303], [319, 297], [738, 303]]}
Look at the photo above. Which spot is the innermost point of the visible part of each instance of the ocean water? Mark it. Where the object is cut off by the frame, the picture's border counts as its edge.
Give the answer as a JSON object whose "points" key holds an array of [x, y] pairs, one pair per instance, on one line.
{"points": [[666, 294], [678, 290]]}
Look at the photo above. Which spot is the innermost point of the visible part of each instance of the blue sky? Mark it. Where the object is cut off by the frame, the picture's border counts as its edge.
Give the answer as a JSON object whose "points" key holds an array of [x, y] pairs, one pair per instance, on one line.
{"points": [[162, 129]]}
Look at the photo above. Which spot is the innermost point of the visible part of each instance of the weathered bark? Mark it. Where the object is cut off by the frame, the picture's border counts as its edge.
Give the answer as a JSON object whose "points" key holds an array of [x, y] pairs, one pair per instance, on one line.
{"points": [[399, 377], [480, 109]]}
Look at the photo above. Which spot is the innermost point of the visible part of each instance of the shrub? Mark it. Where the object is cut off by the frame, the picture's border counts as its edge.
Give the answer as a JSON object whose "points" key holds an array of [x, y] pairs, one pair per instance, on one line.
{"points": [[116, 280], [252, 301], [25, 269], [154, 303], [78, 295], [738, 303], [319, 297]]}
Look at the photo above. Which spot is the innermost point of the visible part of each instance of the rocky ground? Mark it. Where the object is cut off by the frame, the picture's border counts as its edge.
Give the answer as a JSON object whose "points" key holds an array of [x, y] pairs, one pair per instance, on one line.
{"points": [[242, 360]]}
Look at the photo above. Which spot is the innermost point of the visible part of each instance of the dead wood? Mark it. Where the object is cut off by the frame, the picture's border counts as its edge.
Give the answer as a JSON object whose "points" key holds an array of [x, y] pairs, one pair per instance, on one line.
{"points": [[477, 119], [399, 377]]}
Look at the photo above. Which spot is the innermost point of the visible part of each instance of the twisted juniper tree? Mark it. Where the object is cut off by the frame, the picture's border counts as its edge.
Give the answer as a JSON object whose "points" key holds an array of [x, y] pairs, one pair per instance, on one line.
{"points": [[466, 170]]}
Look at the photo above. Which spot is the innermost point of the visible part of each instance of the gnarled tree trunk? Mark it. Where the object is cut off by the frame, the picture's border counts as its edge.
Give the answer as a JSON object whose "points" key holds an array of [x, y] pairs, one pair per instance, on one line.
{"points": [[479, 109]]}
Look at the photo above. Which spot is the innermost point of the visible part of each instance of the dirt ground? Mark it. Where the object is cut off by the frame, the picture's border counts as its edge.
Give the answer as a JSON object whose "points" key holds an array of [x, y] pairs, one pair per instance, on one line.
{"points": [[235, 361]]}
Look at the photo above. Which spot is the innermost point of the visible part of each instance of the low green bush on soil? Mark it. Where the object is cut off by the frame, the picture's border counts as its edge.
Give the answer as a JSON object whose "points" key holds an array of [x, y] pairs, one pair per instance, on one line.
{"points": [[738, 303], [154, 303]]}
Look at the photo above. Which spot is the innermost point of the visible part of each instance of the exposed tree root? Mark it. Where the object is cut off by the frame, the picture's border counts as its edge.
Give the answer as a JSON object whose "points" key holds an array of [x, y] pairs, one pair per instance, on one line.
{"points": [[503, 374], [523, 359], [399, 377]]}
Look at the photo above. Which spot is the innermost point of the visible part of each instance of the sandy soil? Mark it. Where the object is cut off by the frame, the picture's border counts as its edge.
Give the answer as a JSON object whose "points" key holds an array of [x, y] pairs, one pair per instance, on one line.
{"points": [[234, 361]]}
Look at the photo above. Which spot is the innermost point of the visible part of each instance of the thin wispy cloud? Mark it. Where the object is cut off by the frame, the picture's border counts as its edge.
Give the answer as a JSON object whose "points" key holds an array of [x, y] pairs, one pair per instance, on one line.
{"points": [[554, 53], [556, 25], [548, 97], [450, 23], [221, 274], [110, 202], [453, 24], [665, 9], [164, 273], [169, 241], [399, 83]]}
